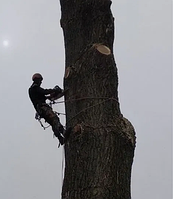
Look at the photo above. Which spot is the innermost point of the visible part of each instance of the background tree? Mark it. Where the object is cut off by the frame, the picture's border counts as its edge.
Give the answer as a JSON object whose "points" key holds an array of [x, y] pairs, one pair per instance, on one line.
{"points": [[100, 151]]}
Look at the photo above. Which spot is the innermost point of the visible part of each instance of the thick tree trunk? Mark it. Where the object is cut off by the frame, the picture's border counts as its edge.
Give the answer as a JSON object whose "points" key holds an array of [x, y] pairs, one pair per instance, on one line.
{"points": [[99, 153]]}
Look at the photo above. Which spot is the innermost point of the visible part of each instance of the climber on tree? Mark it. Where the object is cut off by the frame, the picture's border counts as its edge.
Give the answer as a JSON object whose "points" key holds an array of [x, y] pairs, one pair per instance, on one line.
{"points": [[38, 97]]}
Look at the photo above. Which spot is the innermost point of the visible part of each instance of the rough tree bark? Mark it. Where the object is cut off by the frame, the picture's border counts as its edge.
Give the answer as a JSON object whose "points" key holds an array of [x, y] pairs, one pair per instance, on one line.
{"points": [[100, 151]]}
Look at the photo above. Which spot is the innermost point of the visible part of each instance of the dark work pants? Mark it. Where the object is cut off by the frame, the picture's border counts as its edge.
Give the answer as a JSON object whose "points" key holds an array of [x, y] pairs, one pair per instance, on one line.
{"points": [[46, 112]]}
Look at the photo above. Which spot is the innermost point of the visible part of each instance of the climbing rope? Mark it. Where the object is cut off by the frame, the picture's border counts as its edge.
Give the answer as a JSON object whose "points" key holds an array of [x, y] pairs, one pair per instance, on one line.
{"points": [[71, 100], [83, 98], [63, 165], [107, 99]]}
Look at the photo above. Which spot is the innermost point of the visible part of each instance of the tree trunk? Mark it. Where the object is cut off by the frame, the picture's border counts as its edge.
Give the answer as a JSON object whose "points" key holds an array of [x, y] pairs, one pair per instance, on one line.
{"points": [[100, 151]]}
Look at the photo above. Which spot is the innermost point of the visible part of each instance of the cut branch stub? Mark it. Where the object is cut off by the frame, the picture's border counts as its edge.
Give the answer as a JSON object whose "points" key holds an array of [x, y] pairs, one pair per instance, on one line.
{"points": [[78, 128], [67, 72], [103, 49]]}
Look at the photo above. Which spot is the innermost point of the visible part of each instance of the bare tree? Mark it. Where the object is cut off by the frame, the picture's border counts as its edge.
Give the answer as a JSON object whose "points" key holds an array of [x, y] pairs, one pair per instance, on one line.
{"points": [[100, 151]]}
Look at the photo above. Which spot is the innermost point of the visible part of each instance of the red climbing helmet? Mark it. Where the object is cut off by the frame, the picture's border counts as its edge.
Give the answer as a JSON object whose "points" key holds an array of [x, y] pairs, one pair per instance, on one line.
{"points": [[37, 76]]}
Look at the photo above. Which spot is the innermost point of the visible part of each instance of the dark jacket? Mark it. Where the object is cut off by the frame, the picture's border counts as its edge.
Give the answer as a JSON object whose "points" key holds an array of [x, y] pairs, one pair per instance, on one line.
{"points": [[38, 94]]}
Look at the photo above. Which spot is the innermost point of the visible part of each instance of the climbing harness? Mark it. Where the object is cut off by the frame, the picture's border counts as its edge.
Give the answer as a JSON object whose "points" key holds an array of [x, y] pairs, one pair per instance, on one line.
{"points": [[38, 117]]}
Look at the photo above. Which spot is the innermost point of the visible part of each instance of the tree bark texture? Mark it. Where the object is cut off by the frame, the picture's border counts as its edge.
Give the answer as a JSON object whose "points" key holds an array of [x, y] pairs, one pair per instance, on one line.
{"points": [[100, 151]]}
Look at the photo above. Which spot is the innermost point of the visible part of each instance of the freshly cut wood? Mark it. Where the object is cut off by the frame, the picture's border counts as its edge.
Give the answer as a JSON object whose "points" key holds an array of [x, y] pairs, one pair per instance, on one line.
{"points": [[103, 49]]}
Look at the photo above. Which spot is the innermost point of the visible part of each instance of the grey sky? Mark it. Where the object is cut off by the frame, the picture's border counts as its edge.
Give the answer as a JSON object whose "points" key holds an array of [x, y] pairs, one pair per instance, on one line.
{"points": [[31, 164]]}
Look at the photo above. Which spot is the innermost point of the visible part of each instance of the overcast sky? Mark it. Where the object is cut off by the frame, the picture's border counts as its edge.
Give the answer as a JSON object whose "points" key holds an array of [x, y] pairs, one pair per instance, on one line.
{"points": [[31, 40]]}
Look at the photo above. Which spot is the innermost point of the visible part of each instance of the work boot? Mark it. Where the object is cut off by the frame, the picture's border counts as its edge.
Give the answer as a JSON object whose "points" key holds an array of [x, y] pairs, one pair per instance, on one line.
{"points": [[61, 139], [61, 129]]}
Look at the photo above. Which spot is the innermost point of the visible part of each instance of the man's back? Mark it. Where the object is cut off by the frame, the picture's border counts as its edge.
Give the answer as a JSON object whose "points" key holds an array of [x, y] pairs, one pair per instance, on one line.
{"points": [[37, 94]]}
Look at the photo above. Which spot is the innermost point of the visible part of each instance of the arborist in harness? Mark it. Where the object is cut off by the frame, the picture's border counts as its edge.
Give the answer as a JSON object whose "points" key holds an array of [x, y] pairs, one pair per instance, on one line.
{"points": [[38, 97]]}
